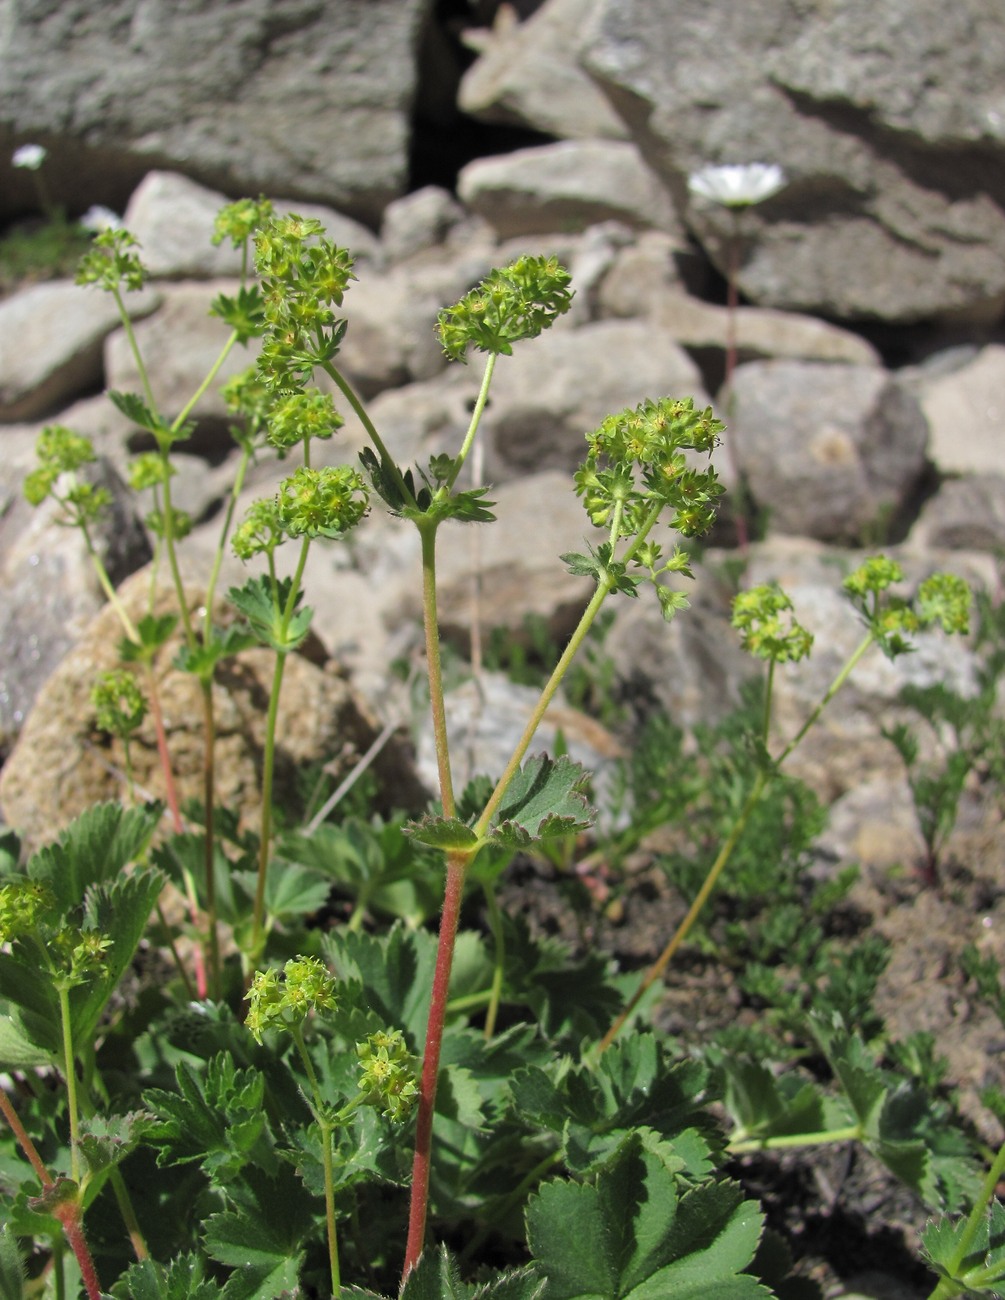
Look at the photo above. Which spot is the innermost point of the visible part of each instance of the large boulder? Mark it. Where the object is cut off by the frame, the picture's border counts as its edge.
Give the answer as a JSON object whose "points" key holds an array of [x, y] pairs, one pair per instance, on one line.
{"points": [[310, 101], [895, 207], [834, 452]]}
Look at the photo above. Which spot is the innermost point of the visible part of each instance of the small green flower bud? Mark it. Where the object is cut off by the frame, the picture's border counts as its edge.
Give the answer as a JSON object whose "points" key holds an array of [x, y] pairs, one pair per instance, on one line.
{"points": [[118, 702], [260, 532], [876, 574], [181, 523], [111, 263], [239, 221], [148, 470], [23, 905], [303, 415], [767, 630], [387, 1074], [944, 598]]}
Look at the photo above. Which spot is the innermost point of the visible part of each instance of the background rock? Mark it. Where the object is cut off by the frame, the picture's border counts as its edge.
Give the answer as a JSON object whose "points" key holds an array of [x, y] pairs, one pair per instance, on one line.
{"points": [[893, 209], [832, 452], [307, 101]]}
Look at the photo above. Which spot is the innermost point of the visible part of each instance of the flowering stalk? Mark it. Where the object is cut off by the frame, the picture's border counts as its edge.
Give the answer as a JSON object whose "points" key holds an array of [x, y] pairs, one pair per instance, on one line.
{"points": [[763, 618]]}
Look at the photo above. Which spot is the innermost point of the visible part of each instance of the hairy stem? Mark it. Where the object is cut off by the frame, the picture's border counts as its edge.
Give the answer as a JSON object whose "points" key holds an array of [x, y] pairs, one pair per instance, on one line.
{"points": [[457, 864]]}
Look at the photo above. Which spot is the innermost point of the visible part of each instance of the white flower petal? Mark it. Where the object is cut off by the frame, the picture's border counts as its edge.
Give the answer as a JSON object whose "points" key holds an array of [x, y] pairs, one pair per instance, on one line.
{"points": [[737, 185], [31, 156], [98, 218]]}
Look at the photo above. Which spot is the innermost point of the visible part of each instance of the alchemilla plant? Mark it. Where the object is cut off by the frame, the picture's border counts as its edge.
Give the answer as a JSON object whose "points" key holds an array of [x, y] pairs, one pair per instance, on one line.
{"points": [[292, 1107]]}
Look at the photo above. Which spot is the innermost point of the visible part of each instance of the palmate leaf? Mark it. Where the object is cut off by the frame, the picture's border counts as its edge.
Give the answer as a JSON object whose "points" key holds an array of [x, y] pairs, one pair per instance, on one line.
{"points": [[979, 1266], [631, 1235], [106, 1140], [394, 972], [567, 997], [216, 1118], [543, 801], [93, 848], [183, 1279], [436, 1277], [262, 1239]]}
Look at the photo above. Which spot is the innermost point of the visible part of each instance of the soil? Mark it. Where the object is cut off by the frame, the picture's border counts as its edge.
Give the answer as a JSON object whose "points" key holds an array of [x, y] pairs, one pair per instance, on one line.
{"points": [[850, 1224]]}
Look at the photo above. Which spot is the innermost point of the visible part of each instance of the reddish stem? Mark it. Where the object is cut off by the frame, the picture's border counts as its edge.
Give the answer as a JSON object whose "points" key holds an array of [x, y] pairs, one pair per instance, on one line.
{"points": [[67, 1212], [456, 868], [69, 1217]]}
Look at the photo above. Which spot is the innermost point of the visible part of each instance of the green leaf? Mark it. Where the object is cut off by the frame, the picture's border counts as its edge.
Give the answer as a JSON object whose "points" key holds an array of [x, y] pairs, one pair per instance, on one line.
{"points": [[11, 1267], [262, 1239], [262, 606], [977, 1267], [95, 847], [437, 1277], [135, 409], [395, 972], [183, 1279], [106, 1140], [630, 1235], [544, 800], [216, 1118], [445, 833], [291, 891], [18, 1050]]}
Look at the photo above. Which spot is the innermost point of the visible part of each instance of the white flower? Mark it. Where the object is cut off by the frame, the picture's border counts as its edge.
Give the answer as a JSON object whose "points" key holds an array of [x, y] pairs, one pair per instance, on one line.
{"points": [[30, 156], [97, 218], [737, 186]]}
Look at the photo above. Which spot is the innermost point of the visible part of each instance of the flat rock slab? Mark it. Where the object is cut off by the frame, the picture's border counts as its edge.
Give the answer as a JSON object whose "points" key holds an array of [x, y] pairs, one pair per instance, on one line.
{"points": [[51, 338]]}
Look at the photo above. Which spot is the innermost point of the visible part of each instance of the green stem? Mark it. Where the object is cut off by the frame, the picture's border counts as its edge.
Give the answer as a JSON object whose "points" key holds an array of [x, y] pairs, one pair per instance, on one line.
{"points": [[726, 851], [71, 1082], [134, 348], [683, 930], [741, 1145], [947, 1287], [499, 960], [434, 667], [476, 416], [211, 374], [106, 586], [208, 795], [346, 389], [269, 757], [214, 574], [327, 1129], [501, 1210]]}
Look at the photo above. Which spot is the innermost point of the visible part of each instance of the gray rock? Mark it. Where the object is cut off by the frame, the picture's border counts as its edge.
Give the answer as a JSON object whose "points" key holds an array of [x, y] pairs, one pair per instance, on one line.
{"points": [[895, 203], [551, 393], [309, 101], [966, 513], [51, 338], [528, 76], [50, 591], [485, 719], [965, 409], [419, 221], [643, 283], [179, 344], [565, 186], [57, 769], [832, 452], [172, 217]]}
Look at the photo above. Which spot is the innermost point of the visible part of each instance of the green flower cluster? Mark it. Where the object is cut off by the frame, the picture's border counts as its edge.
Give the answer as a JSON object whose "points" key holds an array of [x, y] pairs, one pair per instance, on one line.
{"points": [[322, 502], [636, 459], [763, 617], [24, 904], [239, 221], [303, 277], [260, 532], [284, 1000], [387, 1074], [61, 451], [942, 598], [514, 303], [112, 264], [300, 416], [118, 702]]}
